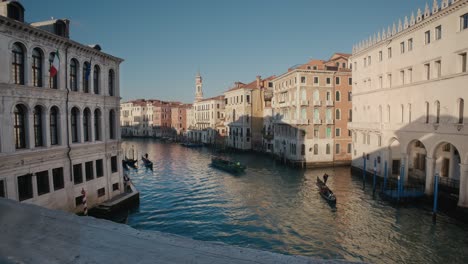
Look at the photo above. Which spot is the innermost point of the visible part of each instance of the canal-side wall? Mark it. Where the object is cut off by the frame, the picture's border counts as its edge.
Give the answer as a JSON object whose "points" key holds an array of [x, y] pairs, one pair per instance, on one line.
{"points": [[32, 234]]}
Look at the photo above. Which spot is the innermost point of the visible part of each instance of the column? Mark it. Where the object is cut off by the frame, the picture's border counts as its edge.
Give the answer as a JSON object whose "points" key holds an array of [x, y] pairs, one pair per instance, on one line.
{"points": [[463, 198], [430, 162], [80, 127], [30, 137], [92, 134], [46, 128]]}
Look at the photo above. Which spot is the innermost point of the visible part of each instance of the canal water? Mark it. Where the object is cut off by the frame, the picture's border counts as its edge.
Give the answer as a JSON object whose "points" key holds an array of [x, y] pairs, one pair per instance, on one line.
{"points": [[275, 208]]}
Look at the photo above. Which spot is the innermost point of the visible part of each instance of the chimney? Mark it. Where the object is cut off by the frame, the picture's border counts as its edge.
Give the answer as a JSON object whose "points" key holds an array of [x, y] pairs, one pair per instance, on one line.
{"points": [[259, 79]]}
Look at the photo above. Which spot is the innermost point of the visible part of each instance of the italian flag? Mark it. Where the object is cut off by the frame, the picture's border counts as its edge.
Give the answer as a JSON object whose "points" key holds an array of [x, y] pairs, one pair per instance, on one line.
{"points": [[55, 65]]}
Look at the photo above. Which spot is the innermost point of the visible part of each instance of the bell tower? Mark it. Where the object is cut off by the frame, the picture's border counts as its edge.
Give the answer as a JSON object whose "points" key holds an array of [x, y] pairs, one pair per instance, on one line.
{"points": [[198, 88]]}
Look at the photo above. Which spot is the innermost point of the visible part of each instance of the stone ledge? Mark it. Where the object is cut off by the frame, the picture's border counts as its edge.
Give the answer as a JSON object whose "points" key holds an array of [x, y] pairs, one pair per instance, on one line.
{"points": [[32, 234]]}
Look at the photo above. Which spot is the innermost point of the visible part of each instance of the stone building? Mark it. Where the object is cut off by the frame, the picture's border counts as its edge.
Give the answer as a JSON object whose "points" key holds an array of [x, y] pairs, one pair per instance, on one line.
{"points": [[136, 118], [408, 99], [310, 112], [58, 135], [179, 117]]}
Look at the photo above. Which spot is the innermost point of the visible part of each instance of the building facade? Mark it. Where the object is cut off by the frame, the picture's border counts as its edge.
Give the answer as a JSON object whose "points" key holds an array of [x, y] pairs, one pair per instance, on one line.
{"points": [[179, 117], [58, 135], [136, 118], [308, 126], [408, 99]]}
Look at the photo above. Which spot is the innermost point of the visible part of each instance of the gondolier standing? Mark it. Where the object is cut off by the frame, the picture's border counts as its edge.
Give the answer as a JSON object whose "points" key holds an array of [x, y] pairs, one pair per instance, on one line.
{"points": [[325, 178]]}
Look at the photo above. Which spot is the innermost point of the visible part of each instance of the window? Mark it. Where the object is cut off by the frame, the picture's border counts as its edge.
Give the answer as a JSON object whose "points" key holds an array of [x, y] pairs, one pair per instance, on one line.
{"points": [[380, 56], [438, 32], [57, 175], [247, 99], [427, 37], [389, 80], [379, 140], [437, 106], [365, 62], [350, 96], [337, 132], [37, 67], [77, 174], [53, 126], [99, 168], [303, 79], [101, 192], [79, 200], [115, 186], [89, 171], [402, 47], [410, 44], [114, 167], [112, 124], [463, 62], [402, 77], [349, 148], [389, 51], [20, 126], [18, 63], [111, 83], [38, 139], [461, 109], [316, 80], [2, 189], [350, 81], [96, 79], [328, 132], [25, 187], [369, 60], [338, 114], [380, 82], [328, 80], [85, 76], [337, 148], [410, 75], [42, 179], [337, 96], [52, 80], [327, 149], [74, 75], [337, 80], [74, 124], [438, 68], [315, 149], [464, 21], [87, 125], [97, 124], [427, 112], [427, 69]]}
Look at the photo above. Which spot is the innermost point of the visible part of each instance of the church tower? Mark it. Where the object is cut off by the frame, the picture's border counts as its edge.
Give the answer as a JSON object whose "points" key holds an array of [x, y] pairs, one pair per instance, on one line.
{"points": [[198, 88]]}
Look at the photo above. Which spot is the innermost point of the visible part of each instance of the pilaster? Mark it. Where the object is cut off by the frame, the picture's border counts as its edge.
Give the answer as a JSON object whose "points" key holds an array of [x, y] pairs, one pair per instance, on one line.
{"points": [[463, 196], [430, 163]]}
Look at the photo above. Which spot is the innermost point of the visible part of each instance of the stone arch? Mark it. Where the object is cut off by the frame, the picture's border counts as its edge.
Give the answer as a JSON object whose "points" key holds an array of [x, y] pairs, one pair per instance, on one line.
{"points": [[447, 158], [394, 156], [416, 163]]}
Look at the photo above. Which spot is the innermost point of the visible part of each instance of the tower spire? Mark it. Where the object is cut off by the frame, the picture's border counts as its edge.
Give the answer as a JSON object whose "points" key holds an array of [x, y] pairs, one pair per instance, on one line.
{"points": [[198, 87]]}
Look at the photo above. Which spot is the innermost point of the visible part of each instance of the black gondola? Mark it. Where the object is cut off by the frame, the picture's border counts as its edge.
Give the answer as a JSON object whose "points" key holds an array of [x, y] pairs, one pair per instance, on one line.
{"points": [[325, 192], [131, 162], [148, 164]]}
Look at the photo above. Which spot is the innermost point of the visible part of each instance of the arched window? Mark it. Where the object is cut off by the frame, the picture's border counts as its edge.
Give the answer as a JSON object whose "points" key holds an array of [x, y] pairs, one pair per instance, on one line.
{"points": [[18, 63], [97, 124], [315, 149], [20, 127], [426, 108], [338, 114], [328, 149], [304, 113], [74, 75], [96, 79], [38, 121], [74, 124], [112, 124], [111, 83], [437, 106], [87, 125], [52, 80], [37, 67], [461, 109], [85, 76], [54, 125], [337, 96], [316, 95]]}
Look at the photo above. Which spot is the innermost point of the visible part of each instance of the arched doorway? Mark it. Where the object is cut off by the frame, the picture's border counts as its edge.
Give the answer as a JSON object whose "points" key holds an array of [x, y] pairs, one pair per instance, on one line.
{"points": [[417, 162], [394, 157], [447, 165]]}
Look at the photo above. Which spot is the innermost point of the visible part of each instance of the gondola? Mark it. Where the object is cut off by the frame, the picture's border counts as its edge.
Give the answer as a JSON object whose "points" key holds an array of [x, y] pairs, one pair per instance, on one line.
{"points": [[325, 192], [227, 165], [148, 164], [192, 145], [131, 162]]}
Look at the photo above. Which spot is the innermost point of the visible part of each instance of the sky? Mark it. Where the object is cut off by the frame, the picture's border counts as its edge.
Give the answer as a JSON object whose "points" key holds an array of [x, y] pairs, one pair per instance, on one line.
{"points": [[165, 43]]}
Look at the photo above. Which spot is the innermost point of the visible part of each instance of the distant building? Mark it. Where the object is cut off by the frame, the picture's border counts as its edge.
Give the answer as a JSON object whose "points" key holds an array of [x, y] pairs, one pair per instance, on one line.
{"points": [[59, 134], [410, 83], [309, 121], [136, 118], [179, 117]]}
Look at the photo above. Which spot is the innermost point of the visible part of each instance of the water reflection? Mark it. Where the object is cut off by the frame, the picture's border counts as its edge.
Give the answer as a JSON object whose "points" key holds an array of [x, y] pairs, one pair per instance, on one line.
{"points": [[276, 208]]}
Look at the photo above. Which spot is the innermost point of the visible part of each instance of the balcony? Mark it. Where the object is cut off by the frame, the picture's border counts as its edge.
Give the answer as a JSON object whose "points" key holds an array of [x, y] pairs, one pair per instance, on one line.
{"points": [[329, 103], [317, 103], [317, 121], [304, 102], [330, 121]]}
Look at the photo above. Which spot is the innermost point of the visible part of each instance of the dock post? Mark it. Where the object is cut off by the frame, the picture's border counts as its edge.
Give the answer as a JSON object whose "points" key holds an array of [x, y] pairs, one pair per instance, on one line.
{"points": [[402, 177], [374, 179], [385, 177], [364, 173], [436, 192]]}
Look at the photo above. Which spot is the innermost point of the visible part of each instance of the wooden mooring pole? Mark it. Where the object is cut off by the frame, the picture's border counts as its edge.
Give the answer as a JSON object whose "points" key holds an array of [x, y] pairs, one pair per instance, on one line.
{"points": [[436, 194]]}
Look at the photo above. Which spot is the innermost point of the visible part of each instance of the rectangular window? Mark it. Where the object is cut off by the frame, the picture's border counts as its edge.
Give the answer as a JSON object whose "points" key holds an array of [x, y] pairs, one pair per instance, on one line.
{"points": [[389, 51], [337, 132], [42, 179], [380, 82], [57, 175], [463, 62], [337, 149], [410, 75], [464, 21], [114, 167], [328, 80], [402, 47], [25, 187], [89, 170], [101, 192], [438, 32], [2, 189], [337, 80], [316, 80], [427, 37], [380, 56], [379, 141], [389, 80], [438, 68], [369, 60], [99, 168], [247, 98], [303, 79], [410, 44], [115, 186], [79, 200], [427, 69], [402, 77], [349, 148], [77, 174], [316, 132], [329, 132], [350, 81]]}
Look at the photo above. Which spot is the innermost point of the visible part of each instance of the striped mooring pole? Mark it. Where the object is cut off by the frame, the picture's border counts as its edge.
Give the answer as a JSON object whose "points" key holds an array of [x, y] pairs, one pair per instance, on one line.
{"points": [[83, 201]]}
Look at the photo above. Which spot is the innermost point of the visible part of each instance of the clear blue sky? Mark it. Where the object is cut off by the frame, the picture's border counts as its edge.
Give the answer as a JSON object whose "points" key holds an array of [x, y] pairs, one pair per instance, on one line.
{"points": [[164, 43]]}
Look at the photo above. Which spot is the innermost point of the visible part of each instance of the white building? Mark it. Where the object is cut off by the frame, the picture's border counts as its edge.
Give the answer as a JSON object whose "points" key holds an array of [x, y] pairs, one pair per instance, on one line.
{"points": [[410, 83], [58, 135], [136, 118]]}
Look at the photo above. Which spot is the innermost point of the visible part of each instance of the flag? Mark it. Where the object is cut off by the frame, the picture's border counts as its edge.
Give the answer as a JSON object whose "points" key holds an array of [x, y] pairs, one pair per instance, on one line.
{"points": [[88, 70], [55, 65]]}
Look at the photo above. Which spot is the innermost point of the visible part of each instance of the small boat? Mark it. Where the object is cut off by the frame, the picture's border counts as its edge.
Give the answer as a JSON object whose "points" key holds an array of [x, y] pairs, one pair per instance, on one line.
{"points": [[131, 162], [325, 192], [227, 165], [148, 164], [192, 145]]}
